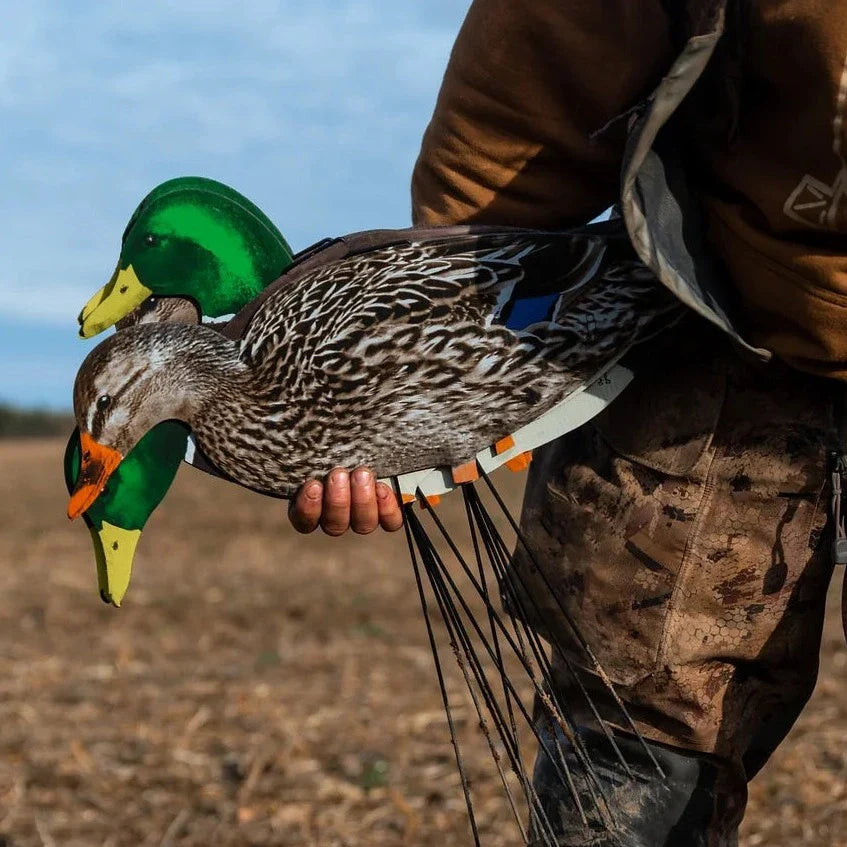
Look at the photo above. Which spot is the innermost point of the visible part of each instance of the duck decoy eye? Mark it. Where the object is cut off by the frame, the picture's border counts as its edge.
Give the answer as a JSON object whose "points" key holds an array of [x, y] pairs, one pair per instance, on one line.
{"points": [[151, 240], [103, 402]]}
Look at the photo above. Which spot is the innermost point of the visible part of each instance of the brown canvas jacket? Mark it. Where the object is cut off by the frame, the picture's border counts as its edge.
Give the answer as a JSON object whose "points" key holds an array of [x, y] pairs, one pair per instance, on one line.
{"points": [[721, 127]]}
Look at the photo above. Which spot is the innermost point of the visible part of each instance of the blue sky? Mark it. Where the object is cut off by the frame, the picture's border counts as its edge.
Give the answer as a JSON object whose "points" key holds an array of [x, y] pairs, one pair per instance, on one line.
{"points": [[313, 110]]}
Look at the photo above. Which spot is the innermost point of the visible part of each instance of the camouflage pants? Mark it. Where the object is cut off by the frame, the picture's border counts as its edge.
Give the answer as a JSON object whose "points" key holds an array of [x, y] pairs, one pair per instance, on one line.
{"points": [[685, 530]]}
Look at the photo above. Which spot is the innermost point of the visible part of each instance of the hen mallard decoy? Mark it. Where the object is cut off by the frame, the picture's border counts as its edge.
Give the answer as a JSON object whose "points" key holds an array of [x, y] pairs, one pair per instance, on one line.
{"points": [[454, 340], [214, 251]]}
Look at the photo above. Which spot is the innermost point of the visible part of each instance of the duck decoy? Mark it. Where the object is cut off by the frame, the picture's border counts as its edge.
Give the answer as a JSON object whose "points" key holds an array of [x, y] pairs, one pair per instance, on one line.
{"points": [[194, 238], [201, 248], [116, 519], [467, 344]]}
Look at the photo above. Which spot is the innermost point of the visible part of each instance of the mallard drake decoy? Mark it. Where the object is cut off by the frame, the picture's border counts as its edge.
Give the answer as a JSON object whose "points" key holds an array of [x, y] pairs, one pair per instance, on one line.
{"points": [[116, 519], [454, 340], [245, 252], [195, 238]]}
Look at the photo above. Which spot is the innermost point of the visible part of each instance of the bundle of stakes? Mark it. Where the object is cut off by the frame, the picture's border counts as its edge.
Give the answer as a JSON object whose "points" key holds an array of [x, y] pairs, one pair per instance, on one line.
{"points": [[489, 647]]}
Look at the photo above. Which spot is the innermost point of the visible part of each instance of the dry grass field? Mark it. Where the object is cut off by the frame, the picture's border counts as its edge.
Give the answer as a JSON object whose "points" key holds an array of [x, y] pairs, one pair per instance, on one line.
{"points": [[259, 688]]}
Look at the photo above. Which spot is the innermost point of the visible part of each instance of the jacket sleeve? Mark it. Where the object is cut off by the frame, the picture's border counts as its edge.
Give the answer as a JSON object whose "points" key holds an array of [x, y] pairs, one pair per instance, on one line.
{"points": [[527, 83]]}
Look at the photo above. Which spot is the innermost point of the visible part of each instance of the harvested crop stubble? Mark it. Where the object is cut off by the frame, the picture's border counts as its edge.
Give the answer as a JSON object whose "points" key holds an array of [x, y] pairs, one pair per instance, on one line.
{"points": [[259, 688]]}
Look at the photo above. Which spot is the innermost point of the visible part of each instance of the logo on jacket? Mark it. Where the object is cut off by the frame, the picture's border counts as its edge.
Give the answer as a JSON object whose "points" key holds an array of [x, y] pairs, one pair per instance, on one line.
{"points": [[817, 203]]}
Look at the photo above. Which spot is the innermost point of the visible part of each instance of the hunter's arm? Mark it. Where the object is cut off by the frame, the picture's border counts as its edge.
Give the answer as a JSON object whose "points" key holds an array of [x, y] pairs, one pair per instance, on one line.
{"points": [[527, 84]]}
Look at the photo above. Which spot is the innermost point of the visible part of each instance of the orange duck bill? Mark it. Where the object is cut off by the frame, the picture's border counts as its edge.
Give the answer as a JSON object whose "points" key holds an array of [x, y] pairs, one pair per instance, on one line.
{"points": [[98, 463]]}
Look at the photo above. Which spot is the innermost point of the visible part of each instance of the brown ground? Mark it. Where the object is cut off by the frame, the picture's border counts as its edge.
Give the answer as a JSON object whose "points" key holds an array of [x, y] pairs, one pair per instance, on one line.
{"points": [[259, 688]]}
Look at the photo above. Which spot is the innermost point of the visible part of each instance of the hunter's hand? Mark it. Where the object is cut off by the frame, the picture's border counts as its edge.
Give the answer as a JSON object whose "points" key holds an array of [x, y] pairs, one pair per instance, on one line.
{"points": [[347, 501]]}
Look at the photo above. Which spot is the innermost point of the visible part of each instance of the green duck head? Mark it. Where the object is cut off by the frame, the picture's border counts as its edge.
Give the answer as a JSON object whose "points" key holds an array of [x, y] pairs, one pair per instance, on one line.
{"points": [[136, 488], [194, 238]]}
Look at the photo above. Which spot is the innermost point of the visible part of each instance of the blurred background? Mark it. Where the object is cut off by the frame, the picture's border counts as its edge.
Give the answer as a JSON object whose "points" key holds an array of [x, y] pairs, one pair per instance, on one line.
{"points": [[257, 688], [313, 110]]}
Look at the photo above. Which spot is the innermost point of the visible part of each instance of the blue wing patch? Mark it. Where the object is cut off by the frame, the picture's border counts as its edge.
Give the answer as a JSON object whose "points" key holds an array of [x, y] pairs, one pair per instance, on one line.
{"points": [[519, 314]]}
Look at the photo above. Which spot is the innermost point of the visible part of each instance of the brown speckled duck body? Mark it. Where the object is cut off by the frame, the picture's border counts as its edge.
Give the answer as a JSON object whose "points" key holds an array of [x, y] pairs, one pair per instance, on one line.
{"points": [[412, 353]]}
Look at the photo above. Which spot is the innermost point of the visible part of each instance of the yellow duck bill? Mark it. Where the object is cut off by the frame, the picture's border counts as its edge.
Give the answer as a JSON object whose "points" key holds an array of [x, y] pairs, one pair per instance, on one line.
{"points": [[97, 465], [123, 293], [114, 552]]}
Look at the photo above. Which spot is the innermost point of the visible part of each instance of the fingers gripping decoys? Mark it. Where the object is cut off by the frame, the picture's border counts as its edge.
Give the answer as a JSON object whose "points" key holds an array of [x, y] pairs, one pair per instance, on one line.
{"points": [[212, 251]]}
